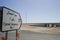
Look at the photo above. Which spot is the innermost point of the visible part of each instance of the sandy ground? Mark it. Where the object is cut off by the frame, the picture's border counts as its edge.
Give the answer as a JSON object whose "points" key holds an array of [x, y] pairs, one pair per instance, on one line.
{"points": [[39, 33], [54, 30]]}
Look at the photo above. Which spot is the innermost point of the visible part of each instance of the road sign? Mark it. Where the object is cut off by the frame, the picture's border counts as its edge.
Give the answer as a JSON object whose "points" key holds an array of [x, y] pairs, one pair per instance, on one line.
{"points": [[9, 19]]}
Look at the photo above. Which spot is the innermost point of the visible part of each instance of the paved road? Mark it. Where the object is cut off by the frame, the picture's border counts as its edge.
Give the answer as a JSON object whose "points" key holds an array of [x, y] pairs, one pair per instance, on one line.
{"points": [[28, 35]]}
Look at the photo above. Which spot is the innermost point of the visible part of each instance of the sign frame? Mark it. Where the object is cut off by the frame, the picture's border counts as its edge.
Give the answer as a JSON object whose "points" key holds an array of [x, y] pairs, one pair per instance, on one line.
{"points": [[1, 22]]}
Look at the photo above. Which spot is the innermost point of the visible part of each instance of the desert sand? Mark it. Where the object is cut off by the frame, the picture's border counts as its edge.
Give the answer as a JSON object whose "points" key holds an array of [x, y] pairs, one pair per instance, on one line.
{"points": [[53, 30]]}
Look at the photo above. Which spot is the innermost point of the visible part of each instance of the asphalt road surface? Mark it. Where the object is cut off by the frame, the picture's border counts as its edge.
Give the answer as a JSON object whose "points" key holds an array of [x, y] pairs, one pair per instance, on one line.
{"points": [[28, 35]]}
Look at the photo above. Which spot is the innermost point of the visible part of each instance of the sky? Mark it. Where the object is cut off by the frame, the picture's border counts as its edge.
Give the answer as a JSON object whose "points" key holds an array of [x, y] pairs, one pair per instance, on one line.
{"points": [[35, 11]]}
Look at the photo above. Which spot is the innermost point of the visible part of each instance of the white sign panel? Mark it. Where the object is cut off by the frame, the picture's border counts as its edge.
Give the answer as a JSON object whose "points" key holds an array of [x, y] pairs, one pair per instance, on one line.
{"points": [[11, 20]]}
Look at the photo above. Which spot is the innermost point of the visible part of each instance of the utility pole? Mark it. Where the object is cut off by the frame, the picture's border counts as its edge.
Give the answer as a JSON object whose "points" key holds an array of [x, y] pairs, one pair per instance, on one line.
{"points": [[26, 18]]}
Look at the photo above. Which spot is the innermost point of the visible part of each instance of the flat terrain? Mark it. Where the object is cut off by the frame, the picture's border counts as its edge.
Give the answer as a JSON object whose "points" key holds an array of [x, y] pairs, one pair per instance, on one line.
{"points": [[39, 33], [53, 30], [28, 35]]}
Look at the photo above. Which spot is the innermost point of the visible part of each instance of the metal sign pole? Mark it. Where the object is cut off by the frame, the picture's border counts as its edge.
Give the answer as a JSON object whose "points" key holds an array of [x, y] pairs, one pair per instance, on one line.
{"points": [[16, 34], [6, 34]]}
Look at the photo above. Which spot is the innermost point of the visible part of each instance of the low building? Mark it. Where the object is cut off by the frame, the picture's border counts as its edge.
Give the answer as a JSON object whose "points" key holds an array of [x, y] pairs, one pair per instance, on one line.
{"points": [[45, 24]]}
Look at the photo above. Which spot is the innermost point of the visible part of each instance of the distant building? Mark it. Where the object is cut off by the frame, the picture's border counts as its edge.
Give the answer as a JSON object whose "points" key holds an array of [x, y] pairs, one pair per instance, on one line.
{"points": [[45, 24], [50, 24]]}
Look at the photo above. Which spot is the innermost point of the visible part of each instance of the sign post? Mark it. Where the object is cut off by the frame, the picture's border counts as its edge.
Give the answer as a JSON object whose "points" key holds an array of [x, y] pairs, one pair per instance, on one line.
{"points": [[10, 20]]}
